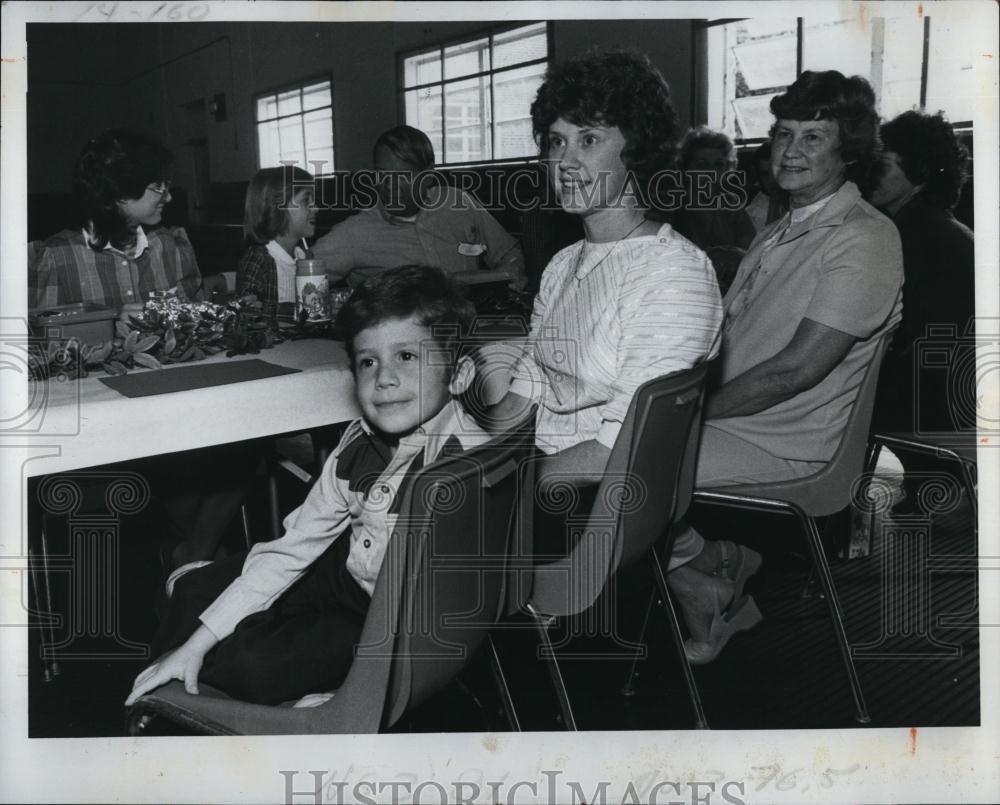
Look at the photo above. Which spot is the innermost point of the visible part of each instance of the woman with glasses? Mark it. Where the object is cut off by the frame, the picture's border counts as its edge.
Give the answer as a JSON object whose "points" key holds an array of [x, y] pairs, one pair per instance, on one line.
{"points": [[119, 253]]}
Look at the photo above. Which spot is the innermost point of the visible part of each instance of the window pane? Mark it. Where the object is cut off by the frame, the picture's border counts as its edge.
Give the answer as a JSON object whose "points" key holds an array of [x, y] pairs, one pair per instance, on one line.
{"points": [[319, 161], [753, 116], [267, 108], [513, 92], [950, 81], [749, 61], [316, 95], [267, 150], [319, 139], [297, 127], [289, 103], [290, 138], [467, 58], [837, 44], [467, 118], [901, 59], [766, 63], [520, 45], [422, 69], [423, 111]]}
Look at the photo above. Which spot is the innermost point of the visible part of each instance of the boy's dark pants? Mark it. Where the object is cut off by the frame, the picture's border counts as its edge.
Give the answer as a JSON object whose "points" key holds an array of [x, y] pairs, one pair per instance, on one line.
{"points": [[303, 643]]}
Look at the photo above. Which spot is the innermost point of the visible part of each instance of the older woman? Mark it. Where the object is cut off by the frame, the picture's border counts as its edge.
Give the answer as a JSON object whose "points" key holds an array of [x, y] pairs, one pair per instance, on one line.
{"points": [[812, 298], [923, 169], [117, 257], [723, 233]]}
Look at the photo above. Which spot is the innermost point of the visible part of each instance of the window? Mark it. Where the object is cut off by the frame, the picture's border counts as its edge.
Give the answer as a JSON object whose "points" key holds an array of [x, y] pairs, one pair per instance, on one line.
{"points": [[295, 124], [472, 98], [911, 61]]}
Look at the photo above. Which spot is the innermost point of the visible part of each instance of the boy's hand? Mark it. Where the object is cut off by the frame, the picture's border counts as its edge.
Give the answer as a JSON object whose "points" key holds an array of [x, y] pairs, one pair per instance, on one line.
{"points": [[183, 663]]}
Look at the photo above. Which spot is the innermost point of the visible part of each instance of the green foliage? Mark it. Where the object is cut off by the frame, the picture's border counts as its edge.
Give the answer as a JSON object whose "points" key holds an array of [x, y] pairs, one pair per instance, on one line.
{"points": [[164, 332]]}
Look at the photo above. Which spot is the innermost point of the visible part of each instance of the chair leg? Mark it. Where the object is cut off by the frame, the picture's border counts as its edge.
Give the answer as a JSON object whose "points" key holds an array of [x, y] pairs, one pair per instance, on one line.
{"points": [[701, 722], [247, 534], [542, 625], [502, 687], [968, 473], [137, 722], [873, 453], [273, 506], [628, 689], [833, 602]]}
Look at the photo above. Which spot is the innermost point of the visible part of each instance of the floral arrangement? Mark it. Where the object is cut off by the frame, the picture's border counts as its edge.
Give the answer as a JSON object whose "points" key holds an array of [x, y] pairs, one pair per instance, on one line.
{"points": [[166, 330]]}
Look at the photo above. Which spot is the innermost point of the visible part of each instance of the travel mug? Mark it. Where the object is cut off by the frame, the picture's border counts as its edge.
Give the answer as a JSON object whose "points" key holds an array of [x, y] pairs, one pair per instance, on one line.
{"points": [[312, 292]]}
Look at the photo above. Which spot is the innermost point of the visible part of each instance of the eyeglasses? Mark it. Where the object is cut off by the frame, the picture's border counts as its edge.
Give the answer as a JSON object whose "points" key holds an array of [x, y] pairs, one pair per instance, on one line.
{"points": [[160, 188]]}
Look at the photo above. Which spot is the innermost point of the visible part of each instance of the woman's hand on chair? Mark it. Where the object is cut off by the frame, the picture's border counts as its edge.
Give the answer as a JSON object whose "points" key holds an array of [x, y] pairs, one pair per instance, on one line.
{"points": [[183, 663]]}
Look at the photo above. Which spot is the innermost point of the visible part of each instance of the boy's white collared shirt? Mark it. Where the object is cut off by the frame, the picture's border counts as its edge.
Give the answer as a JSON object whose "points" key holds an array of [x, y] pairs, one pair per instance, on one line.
{"points": [[359, 490]]}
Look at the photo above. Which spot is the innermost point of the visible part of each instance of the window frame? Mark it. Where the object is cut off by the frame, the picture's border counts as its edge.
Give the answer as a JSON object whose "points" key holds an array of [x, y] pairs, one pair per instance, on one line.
{"points": [[489, 32], [299, 85], [699, 27]]}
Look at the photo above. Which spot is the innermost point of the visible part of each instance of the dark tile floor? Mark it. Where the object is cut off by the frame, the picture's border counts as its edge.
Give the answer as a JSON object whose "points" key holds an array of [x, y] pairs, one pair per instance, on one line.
{"points": [[784, 674]]}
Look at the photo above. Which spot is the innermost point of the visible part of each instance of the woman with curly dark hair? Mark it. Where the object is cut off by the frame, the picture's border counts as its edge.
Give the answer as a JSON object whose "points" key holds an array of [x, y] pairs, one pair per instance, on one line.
{"points": [[119, 254], [923, 169], [630, 302], [635, 300]]}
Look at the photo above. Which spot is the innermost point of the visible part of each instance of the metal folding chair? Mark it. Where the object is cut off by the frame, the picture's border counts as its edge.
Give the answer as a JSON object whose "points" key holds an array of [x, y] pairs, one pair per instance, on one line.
{"points": [[823, 493], [646, 487]]}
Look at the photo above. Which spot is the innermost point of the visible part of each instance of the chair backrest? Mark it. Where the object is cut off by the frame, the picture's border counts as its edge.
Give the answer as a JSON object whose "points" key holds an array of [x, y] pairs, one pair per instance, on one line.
{"points": [[464, 511], [445, 574], [647, 486], [829, 490]]}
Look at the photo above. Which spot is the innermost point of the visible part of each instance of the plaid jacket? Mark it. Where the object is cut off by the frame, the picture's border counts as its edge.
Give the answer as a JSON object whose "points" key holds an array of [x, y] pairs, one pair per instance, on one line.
{"points": [[66, 270], [257, 273]]}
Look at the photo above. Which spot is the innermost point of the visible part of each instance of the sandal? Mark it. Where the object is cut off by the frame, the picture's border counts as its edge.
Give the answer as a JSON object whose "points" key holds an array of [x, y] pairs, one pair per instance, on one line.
{"points": [[739, 616], [747, 562]]}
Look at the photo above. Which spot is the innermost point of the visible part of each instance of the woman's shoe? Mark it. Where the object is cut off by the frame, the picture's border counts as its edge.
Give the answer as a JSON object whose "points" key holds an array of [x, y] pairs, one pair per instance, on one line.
{"points": [[738, 565], [739, 616]]}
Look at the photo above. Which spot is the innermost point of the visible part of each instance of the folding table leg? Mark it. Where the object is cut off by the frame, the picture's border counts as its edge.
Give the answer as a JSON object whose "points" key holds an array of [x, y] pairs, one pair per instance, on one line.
{"points": [[40, 573]]}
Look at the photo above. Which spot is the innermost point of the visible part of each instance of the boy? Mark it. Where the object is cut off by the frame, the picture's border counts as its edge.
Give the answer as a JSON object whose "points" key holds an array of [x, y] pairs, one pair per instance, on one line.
{"points": [[285, 622]]}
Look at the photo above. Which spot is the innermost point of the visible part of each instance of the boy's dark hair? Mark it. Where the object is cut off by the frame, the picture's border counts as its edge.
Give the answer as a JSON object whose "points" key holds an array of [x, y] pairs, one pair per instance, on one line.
{"points": [[618, 88], [399, 293], [410, 145], [114, 166], [930, 154], [269, 194], [848, 102]]}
